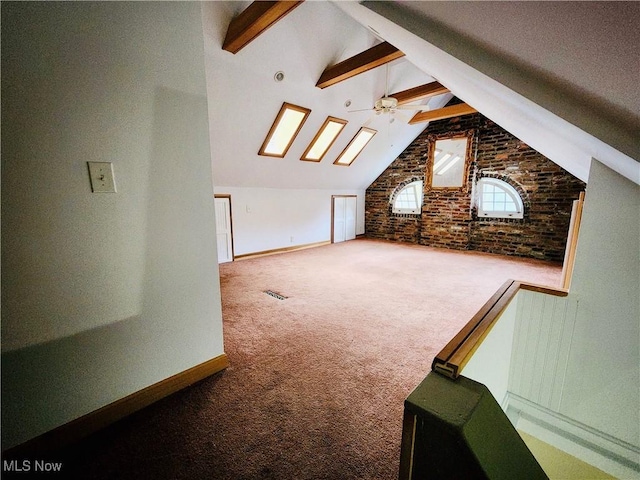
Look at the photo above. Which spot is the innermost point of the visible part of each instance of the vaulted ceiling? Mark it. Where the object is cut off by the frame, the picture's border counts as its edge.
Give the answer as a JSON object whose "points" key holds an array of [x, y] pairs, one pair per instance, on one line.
{"points": [[314, 43], [244, 98]]}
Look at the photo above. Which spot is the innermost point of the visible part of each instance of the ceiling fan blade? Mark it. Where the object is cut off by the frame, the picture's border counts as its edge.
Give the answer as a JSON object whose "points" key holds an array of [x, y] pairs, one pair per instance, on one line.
{"points": [[400, 116], [361, 110]]}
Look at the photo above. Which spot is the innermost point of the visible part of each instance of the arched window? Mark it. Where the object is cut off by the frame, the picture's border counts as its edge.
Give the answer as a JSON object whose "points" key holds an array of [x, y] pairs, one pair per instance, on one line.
{"points": [[409, 198], [498, 199]]}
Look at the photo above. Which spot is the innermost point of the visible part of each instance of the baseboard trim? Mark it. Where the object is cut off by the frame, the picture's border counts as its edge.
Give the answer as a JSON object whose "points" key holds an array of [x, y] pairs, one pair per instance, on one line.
{"points": [[609, 454], [263, 253], [98, 419]]}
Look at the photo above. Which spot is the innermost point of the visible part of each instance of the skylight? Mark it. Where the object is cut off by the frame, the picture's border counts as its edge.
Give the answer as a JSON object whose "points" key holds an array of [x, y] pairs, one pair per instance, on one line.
{"points": [[284, 130], [323, 140], [356, 146]]}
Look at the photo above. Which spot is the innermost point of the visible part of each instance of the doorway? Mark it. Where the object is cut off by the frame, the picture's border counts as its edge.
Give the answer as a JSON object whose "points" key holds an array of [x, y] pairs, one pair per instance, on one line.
{"points": [[224, 230], [343, 218]]}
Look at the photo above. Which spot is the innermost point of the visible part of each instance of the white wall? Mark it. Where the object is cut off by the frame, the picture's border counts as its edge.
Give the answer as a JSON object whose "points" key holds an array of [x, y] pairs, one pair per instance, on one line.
{"points": [[490, 362], [575, 369], [268, 218], [603, 387], [574, 374], [278, 202], [547, 334], [103, 294]]}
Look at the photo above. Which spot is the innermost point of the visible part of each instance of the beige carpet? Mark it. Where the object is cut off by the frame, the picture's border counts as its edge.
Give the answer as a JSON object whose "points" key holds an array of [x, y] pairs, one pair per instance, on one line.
{"points": [[358, 331], [317, 381]]}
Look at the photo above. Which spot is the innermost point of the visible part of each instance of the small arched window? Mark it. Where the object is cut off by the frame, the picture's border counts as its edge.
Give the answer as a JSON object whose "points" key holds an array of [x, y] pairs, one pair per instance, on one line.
{"points": [[498, 199], [409, 198]]}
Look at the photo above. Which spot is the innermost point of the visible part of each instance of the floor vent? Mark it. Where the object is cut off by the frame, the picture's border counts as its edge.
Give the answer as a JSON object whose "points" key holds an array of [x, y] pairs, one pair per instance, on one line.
{"points": [[275, 295]]}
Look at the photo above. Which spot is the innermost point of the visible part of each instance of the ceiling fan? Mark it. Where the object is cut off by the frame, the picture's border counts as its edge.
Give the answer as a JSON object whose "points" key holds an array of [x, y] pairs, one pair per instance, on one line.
{"points": [[388, 105]]}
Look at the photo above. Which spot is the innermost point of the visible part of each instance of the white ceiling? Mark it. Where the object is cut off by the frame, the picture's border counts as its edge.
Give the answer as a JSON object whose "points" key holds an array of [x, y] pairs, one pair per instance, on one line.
{"points": [[561, 76], [586, 48], [521, 61], [244, 99]]}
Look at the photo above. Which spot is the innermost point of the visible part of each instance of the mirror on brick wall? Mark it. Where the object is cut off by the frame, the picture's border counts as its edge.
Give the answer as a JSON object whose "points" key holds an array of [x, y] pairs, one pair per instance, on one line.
{"points": [[448, 165]]}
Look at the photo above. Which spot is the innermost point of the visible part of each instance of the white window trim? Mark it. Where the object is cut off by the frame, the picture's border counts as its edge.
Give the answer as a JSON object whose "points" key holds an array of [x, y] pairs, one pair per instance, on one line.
{"points": [[417, 187], [509, 190]]}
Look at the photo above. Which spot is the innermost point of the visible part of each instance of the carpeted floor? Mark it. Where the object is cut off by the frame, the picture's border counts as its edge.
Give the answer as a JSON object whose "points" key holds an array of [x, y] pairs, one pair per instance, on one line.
{"points": [[317, 381]]}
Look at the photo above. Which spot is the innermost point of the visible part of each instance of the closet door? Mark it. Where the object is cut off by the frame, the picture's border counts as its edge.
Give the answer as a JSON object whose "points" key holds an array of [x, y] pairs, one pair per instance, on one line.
{"points": [[343, 213], [350, 218], [339, 219], [223, 229]]}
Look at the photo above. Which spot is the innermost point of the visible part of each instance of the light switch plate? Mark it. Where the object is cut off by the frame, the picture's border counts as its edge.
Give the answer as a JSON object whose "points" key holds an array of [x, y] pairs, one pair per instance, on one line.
{"points": [[101, 175]]}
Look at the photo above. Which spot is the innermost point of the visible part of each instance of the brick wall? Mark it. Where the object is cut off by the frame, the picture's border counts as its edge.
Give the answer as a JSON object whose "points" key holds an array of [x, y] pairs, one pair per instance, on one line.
{"points": [[447, 218]]}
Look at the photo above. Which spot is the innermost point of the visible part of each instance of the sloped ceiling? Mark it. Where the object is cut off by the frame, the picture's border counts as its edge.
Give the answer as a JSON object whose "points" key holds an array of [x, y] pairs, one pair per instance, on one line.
{"points": [[584, 49], [244, 98], [562, 76], [521, 64]]}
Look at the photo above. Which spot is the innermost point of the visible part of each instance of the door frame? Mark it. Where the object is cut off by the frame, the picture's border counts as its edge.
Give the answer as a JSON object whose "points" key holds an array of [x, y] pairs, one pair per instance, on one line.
{"points": [[226, 195], [333, 197]]}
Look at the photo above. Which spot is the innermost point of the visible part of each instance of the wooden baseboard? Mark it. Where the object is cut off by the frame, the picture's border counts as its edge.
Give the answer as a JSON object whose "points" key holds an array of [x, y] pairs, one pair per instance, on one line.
{"points": [[280, 250], [99, 419]]}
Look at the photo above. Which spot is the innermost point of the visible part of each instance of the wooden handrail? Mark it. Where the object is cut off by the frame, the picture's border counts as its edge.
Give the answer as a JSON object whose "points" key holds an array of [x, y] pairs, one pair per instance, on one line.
{"points": [[572, 241], [458, 351]]}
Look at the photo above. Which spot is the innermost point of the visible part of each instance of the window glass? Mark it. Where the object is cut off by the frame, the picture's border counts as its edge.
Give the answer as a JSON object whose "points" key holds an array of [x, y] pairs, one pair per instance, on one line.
{"points": [[324, 139], [286, 126], [356, 145], [409, 199], [498, 199]]}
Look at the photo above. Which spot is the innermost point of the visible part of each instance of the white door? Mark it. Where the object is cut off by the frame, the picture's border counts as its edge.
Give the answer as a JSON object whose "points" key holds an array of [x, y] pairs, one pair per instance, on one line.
{"points": [[339, 219], [350, 218], [344, 218], [223, 229]]}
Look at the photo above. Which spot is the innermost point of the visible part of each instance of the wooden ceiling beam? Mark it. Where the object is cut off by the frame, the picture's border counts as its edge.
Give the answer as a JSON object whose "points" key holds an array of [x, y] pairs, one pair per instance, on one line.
{"points": [[420, 92], [442, 113], [362, 62], [253, 21]]}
